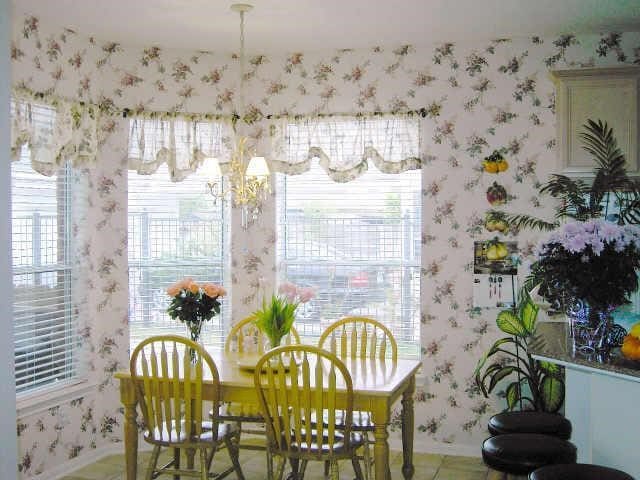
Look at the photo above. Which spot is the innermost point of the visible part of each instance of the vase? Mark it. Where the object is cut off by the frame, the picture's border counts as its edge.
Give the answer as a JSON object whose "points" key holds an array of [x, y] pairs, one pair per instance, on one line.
{"points": [[589, 327], [194, 328]]}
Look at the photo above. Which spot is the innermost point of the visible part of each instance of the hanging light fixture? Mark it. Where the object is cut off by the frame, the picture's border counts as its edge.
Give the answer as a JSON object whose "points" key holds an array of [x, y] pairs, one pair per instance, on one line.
{"points": [[248, 175]]}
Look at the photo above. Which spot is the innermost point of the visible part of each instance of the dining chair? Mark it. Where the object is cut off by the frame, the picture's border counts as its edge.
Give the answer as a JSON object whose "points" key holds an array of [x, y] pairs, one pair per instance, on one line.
{"points": [[246, 337], [360, 337], [170, 373], [297, 384]]}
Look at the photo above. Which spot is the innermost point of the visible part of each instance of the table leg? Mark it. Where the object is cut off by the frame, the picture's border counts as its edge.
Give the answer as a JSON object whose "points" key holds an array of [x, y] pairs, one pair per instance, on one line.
{"points": [[381, 446], [130, 439], [407, 429]]}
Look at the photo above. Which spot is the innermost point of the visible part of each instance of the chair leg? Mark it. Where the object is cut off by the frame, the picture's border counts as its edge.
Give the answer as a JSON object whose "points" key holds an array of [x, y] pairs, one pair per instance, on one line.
{"points": [[269, 464], [280, 473], [357, 468], [153, 462], [368, 463], [176, 462], [295, 467], [335, 471], [303, 468], [204, 471], [233, 447]]}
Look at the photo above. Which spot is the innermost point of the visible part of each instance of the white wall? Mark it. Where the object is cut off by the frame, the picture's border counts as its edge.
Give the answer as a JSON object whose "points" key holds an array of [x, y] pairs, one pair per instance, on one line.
{"points": [[8, 444]]}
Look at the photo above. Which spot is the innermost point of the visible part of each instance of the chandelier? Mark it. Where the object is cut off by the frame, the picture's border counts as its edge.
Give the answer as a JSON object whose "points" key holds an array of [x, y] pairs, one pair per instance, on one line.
{"points": [[247, 180]]}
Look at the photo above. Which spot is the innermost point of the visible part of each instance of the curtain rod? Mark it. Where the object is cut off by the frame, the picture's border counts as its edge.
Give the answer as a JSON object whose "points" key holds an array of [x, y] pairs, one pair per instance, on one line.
{"points": [[110, 109]]}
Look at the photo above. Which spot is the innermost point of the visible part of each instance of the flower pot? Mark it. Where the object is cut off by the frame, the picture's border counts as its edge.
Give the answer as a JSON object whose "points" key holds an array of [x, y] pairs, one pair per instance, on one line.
{"points": [[589, 327]]}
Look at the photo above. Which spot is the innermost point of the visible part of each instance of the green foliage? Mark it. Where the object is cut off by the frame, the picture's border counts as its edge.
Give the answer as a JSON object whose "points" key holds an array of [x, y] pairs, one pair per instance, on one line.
{"points": [[193, 309], [275, 318], [580, 201], [538, 385]]}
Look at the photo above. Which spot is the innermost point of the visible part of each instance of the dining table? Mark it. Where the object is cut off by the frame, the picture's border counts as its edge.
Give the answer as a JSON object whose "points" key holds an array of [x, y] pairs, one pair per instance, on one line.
{"points": [[377, 385]]}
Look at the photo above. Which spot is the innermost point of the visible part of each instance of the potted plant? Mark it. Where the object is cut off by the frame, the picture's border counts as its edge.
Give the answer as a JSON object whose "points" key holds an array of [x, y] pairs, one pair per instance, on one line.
{"points": [[533, 385], [278, 314], [580, 201]]}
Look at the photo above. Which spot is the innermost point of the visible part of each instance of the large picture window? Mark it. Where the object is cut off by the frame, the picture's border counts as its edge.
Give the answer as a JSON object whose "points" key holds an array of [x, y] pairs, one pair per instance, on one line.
{"points": [[175, 231], [358, 244]]}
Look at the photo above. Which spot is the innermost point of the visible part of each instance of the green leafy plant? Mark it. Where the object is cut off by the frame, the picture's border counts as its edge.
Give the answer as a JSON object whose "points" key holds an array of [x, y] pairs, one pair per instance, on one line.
{"points": [[581, 201], [533, 385], [277, 315]]}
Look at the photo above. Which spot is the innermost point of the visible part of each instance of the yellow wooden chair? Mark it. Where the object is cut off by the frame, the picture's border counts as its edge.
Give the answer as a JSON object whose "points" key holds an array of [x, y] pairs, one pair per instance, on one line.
{"points": [[170, 373], [297, 384], [360, 337], [245, 337]]}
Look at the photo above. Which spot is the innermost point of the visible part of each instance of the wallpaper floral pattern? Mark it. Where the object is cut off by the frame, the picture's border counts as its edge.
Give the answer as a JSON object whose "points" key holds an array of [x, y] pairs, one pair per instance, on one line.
{"points": [[476, 98]]}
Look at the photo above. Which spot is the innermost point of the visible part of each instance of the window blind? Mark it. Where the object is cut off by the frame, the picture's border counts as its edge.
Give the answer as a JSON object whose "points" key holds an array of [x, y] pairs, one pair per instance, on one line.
{"points": [[46, 310], [176, 230], [358, 244]]}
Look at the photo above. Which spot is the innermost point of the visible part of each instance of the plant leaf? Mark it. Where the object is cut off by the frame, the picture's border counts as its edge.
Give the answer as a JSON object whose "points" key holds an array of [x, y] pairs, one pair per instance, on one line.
{"points": [[499, 375], [552, 393], [513, 392], [529, 314], [509, 322], [550, 368]]}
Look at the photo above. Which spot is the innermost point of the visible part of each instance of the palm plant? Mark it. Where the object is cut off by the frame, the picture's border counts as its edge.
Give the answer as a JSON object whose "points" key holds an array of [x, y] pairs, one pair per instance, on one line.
{"points": [[581, 201]]}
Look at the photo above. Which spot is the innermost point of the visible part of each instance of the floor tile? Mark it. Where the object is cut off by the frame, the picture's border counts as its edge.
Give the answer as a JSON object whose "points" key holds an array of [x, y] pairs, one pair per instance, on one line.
{"points": [[427, 467]]}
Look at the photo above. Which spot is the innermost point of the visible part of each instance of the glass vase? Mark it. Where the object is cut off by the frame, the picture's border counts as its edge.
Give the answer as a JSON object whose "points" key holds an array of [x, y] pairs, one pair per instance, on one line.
{"points": [[589, 327], [194, 328]]}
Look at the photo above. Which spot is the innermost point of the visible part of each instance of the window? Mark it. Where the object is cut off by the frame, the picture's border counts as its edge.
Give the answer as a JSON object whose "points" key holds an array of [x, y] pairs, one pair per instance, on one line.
{"points": [[175, 231], [45, 308], [358, 244]]}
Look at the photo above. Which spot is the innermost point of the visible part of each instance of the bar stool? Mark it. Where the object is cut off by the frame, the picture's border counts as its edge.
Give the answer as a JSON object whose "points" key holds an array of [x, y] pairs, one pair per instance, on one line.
{"points": [[522, 453], [530, 422], [578, 471]]}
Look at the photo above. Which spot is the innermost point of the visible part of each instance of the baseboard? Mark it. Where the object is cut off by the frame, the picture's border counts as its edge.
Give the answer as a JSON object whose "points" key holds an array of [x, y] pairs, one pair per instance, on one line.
{"points": [[439, 448], [64, 469]]}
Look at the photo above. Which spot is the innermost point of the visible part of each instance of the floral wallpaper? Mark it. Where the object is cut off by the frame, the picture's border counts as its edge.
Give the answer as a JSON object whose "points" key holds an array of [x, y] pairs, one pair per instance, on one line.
{"points": [[477, 98]]}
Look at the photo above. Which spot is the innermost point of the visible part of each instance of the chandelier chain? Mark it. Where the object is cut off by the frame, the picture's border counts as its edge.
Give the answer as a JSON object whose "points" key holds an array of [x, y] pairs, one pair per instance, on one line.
{"points": [[242, 67]]}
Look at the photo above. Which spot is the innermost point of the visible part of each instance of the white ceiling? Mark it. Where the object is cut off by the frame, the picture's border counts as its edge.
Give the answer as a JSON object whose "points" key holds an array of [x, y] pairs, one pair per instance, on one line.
{"points": [[308, 25]]}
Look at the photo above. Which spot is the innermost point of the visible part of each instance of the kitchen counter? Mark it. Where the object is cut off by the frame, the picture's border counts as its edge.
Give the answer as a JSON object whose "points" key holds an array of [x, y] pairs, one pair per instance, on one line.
{"points": [[552, 342], [601, 399]]}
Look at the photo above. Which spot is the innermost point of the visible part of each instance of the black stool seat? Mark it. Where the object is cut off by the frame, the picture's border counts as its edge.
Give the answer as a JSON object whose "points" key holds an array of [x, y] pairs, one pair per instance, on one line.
{"points": [[530, 422], [578, 471], [522, 453]]}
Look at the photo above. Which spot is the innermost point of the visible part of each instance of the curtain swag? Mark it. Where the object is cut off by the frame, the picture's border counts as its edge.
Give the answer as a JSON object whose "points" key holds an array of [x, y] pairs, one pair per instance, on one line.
{"points": [[182, 144], [344, 146], [55, 132]]}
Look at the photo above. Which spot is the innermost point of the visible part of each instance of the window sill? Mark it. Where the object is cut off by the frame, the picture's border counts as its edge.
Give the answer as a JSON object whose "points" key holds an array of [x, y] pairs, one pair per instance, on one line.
{"points": [[36, 402]]}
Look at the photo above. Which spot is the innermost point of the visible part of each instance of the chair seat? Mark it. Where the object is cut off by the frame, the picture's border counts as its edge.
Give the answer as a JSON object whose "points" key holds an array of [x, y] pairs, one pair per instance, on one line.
{"points": [[522, 453], [171, 438], [322, 446], [578, 471], [530, 422]]}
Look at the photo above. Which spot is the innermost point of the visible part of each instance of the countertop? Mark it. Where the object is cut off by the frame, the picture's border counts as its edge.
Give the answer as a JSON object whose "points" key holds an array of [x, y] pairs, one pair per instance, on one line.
{"points": [[551, 341]]}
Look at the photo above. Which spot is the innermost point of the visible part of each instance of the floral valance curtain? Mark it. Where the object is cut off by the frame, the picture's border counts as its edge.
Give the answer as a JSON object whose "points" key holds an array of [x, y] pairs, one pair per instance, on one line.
{"points": [[345, 145], [181, 142], [56, 131]]}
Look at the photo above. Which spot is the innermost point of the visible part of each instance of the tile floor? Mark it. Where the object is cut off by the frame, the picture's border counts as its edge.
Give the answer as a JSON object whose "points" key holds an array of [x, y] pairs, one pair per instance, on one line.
{"points": [[428, 467]]}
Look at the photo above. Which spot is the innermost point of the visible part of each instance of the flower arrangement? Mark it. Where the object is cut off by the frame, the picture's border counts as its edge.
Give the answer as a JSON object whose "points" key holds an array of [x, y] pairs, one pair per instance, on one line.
{"points": [[194, 303], [276, 317], [594, 261]]}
